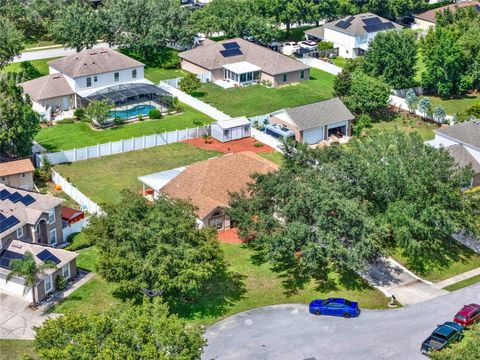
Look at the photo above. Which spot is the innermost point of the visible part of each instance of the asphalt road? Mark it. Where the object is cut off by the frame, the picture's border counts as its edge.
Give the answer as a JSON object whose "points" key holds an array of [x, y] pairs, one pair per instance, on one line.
{"points": [[49, 53], [289, 332]]}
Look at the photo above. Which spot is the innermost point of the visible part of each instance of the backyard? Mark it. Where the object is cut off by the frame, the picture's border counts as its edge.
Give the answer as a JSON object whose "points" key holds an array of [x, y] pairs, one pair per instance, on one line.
{"points": [[456, 105], [103, 179], [408, 124], [40, 64], [259, 100], [80, 134]]}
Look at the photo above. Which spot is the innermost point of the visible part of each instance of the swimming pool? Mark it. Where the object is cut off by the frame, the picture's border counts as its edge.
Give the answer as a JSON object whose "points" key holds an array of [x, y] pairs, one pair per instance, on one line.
{"points": [[132, 112]]}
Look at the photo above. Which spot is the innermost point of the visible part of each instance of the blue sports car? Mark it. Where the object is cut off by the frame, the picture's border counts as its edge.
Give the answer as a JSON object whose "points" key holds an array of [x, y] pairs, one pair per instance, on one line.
{"points": [[335, 307]]}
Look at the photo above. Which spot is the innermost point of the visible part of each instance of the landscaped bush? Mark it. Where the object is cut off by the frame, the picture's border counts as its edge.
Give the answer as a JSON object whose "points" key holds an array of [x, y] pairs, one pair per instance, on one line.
{"points": [[324, 45], [154, 114], [79, 114], [78, 241], [118, 121], [65, 121], [60, 282]]}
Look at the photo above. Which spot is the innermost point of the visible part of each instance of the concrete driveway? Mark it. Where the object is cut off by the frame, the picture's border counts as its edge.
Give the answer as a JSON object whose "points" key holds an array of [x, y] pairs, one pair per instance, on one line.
{"points": [[289, 332], [16, 319]]}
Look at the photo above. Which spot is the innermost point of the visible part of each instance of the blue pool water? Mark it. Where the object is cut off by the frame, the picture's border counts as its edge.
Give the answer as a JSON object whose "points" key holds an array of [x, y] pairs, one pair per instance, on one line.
{"points": [[132, 112]]}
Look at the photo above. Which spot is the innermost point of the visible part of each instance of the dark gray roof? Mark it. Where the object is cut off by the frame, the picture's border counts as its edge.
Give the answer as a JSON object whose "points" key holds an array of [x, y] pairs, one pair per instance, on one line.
{"points": [[316, 32], [463, 158], [357, 25], [467, 132], [319, 114]]}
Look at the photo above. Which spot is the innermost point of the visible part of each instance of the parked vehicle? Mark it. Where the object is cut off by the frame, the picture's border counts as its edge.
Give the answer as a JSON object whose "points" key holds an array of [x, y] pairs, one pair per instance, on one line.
{"points": [[289, 48], [335, 307], [468, 315], [308, 44], [442, 336]]}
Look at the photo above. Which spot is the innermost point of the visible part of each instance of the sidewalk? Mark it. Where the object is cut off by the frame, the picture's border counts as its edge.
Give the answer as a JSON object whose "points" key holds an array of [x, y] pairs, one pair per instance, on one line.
{"points": [[457, 278]]}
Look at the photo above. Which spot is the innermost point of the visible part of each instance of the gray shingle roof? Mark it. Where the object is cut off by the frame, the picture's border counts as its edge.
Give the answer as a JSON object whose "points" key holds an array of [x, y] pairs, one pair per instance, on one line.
{"points": [[47, 87], [93, 62], [357, 25], [319, 114], [467, 132], [463, 158], [209, 57]]}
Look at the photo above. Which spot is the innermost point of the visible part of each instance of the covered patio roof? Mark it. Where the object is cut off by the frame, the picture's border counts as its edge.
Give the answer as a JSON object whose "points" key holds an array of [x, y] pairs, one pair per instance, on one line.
{"points": [[158, 180], [242, 67], [121, 92]]}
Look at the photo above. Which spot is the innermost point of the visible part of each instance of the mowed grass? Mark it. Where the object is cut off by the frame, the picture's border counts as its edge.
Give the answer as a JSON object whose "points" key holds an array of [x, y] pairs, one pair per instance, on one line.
{"points": [[274, 157], [15, 349], [80, 134], [409, 124], [456, 105], [103, 179], [258, 100], [464, 283], [40, 64], [155, 74], [453, 260]]}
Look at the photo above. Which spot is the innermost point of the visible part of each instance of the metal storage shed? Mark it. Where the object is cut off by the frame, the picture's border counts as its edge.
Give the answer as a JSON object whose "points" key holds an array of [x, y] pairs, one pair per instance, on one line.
{"points": [[232, 129]]}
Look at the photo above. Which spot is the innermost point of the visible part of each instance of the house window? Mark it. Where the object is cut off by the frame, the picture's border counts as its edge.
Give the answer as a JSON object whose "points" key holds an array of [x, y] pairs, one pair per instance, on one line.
{"points": [[19, 232], [302, 74], [53, 237], [66, 271], [48, 284], [23, 175], [116, 76], [51, 216], [134, 73], [284, 78], [89, 81], [95, 78], [4, 178]]}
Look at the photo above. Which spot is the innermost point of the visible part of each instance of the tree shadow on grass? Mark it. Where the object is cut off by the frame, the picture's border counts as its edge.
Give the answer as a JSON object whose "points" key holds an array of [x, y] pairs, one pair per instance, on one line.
{"points": [[215, 298]]}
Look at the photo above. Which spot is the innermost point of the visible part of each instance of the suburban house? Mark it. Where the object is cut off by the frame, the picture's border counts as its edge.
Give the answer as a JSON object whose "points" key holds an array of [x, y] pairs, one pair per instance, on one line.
{"points": [[65, 265], [29, 216], [232, 129], [427, 19], [351, 35], [17, 173], [207, 183], [312, 123], [238, 62], [95, 74], [462, 141], [32, 222]]}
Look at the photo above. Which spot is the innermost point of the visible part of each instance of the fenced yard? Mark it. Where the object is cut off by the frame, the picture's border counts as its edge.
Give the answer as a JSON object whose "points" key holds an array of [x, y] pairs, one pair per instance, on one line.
{"points": [[257, 99], [103, 179]]}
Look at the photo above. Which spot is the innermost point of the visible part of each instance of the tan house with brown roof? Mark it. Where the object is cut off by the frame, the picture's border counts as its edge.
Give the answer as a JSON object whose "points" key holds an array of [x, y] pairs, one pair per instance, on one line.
{"points": [[240, 62], [17, 173], [208, 184], [427, 19]]}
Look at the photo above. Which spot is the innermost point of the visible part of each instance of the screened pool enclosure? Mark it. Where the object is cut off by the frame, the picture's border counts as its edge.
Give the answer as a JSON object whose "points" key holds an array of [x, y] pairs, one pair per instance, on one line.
{"points": [[132, 99]]}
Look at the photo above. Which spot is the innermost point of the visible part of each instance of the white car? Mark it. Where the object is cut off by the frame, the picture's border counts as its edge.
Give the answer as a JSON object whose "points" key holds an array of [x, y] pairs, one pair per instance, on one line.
{"points": [[308, 45], [289, 48]]}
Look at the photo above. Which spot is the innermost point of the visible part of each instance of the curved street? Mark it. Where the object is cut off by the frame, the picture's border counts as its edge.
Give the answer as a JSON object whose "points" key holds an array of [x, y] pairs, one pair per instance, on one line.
{"points": [[289, 332]]}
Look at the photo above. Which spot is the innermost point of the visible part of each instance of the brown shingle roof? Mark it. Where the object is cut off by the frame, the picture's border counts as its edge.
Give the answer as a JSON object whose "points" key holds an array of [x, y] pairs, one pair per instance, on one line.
{"points": [[16, 167], [430, 15], [47, 87], [208, 183], [92, 62], [209, 57], [463, 158]]}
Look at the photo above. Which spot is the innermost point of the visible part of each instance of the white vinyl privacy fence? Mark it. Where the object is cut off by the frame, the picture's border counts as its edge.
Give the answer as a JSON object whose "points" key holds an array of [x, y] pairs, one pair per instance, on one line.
{"points": [[322, 65], [121, 146], [267, 139], [75, 194], [175, 82]]}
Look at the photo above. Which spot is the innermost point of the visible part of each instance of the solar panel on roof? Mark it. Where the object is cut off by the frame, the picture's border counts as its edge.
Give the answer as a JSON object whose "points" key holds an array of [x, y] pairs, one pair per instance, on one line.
{"points": [[350, 19], [231, 45], [343, 24], [7, 256], [15, 197], [378, 27], [2, 217], [4, 194], [372, 21], [27, 200], [231, 52], [7, 223], [46, 255]]}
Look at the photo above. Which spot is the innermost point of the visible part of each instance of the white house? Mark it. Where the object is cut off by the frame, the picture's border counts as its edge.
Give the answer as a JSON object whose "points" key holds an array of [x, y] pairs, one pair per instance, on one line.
{"points": [[100, 73], [352, 34], [462, 141]]}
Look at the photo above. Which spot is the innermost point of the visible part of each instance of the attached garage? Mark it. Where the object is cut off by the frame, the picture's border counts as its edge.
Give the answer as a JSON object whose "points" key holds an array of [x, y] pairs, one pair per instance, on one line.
{"points": [[14, 286]]}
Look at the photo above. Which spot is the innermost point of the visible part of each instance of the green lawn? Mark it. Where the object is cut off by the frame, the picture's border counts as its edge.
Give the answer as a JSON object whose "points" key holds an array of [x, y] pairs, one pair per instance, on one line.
{"points": [[40, 64], [420, 68], [15, 349], [258, 100], [463, 283], [457, 105], [103, 179], [88, 258], [274, 157], [155, 74], [340, 61], [409, 124], [453, 260], [250, 286], [80, 134]]}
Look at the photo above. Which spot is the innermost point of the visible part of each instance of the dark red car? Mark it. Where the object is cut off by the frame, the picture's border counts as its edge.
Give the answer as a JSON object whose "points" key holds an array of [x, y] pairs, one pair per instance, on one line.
{"points": [[468, 315]]}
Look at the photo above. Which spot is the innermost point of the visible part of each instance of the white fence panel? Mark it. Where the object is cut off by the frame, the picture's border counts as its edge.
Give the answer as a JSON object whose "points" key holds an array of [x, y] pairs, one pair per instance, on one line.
{"points": [[322, 65], [402, 104], [267, 139], [74, 228]]}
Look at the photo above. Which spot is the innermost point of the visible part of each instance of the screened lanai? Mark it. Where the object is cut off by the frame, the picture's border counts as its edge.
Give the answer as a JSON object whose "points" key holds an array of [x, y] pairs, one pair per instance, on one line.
{"points": [[133, 99]]}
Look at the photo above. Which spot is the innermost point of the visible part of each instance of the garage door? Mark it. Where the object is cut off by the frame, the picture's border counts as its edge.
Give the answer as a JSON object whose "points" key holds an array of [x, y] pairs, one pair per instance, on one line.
{"points": [[15, 287]]}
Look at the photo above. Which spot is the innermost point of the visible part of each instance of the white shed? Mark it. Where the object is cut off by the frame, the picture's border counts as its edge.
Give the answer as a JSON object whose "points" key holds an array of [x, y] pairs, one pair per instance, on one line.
{"points": [[232, 129]]}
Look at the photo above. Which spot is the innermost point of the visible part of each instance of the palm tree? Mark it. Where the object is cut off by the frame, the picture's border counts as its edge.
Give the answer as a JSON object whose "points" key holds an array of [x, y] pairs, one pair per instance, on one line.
{"points": [[28, 269]]}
